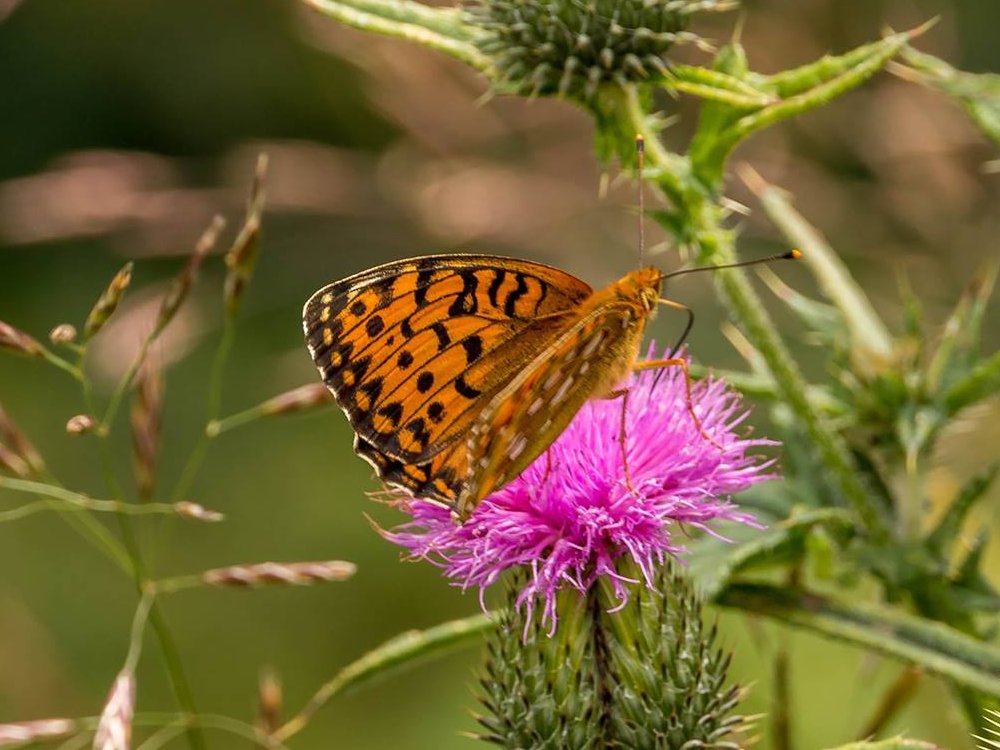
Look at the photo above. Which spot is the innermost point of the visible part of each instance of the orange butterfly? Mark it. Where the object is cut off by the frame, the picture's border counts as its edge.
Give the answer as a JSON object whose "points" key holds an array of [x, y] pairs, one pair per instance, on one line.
{"points": [[457, 371]]}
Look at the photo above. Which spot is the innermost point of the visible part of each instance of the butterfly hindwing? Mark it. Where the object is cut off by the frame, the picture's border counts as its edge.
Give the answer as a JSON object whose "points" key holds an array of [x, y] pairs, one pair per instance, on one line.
{"points": [[413, 349], [587, 360]]}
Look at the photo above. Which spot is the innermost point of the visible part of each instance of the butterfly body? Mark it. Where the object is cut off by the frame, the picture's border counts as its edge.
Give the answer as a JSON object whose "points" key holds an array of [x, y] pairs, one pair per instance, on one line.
{"points": [[457, 371]]}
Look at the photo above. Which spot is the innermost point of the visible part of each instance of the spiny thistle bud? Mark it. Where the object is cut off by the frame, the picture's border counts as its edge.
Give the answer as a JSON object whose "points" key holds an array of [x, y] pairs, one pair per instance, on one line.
{"points": [[64, 333], [107, 303], [646, 674], [571, 48]]}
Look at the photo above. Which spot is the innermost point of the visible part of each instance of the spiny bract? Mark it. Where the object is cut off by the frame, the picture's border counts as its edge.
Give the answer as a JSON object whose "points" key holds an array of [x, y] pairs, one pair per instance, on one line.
{"points": [[571, 47]]}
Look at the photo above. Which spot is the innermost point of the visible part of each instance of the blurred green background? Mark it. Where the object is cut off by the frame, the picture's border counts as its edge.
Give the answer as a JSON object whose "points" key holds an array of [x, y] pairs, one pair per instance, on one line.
{"points": [[126, 125]]}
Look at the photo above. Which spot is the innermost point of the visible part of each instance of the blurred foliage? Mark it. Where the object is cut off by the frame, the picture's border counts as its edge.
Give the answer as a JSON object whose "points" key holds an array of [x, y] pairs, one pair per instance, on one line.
{"points": [[128, 125]]}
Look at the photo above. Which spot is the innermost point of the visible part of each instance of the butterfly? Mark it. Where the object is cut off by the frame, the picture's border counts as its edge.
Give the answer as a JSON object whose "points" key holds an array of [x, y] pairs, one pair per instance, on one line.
{"points": [[457, 371]]}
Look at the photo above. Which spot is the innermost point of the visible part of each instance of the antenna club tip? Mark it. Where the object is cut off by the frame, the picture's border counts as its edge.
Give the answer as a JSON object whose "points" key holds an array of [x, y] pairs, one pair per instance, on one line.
{"points": [[640, 141], [793, 254]]}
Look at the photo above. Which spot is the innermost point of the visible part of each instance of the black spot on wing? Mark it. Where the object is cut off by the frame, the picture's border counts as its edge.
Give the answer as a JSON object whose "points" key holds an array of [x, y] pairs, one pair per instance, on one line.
{"points": [[416, 479], [404, 360], [441, 331], [425, 381], [510, 303], [465, 389], [494, 288], [393, 412], [374, 325], [465, 303], [473, 346]]}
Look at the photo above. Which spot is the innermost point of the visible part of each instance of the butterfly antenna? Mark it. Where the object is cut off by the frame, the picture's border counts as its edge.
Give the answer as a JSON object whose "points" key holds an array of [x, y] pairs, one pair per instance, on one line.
{"points": [[790, 255], [640, 155]]}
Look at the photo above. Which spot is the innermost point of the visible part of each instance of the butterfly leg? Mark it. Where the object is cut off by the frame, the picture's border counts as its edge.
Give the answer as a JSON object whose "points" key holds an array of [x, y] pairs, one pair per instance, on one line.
{"points": [[623, 394], [655, 364]]}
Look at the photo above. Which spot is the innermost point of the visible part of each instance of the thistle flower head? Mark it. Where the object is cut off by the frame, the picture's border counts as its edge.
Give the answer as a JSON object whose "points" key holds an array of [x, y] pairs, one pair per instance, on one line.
{"points": [[571, 514], [570, 48]]}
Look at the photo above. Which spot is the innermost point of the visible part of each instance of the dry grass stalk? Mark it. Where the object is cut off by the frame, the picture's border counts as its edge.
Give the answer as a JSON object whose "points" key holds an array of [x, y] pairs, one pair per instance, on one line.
{"points": [[198, 512], [35, 731], [18, 341], [114, 731], [181, 286], [272, 573], [18, 442], [298, 399], [146, 420], [64, 333], [107, 303], [242, 256], [81, 424], [269, 702]]}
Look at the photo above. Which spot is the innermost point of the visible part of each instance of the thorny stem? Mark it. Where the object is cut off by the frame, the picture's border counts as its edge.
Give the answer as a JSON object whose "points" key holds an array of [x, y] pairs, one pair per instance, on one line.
{"points": [[717, 245]]}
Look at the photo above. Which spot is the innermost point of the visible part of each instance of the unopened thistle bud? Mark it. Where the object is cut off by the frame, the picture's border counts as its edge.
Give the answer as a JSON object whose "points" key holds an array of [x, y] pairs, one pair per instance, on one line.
{"points": [[107, 303], [18, 341], [81, 424], [64, 333], [572, 48], [644, 674]]}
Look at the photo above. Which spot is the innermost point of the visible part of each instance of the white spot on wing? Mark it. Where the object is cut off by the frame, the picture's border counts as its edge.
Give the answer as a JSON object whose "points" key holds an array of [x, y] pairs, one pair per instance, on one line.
{"points": [[517, 446], [563, 390], [593, 345]]}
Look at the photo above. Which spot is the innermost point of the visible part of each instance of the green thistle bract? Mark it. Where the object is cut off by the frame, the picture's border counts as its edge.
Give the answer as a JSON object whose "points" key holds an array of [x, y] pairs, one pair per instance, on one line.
{"points": [[644, 676], [571, 47]]}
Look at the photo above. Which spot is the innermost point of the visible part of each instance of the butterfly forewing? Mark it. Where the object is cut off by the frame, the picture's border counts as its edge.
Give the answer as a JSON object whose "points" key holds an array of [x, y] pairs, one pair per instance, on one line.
{"points": [[588, 360], [413, 349]]}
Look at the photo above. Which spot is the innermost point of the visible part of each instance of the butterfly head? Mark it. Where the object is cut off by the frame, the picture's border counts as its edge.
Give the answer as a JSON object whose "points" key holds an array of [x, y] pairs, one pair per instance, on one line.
{"points": [[642, 287]]}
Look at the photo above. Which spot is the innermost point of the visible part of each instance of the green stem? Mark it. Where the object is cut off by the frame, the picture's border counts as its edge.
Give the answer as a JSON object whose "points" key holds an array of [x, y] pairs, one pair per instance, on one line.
{"points": [[717, 246], [74, 501], [934, 646], [171, 655], [212, 408], [62, 364], [405, 650]]}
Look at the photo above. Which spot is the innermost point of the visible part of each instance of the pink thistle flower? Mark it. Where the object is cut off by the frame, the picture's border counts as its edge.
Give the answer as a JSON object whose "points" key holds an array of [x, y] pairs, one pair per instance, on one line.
{"points": [[569, 516]]}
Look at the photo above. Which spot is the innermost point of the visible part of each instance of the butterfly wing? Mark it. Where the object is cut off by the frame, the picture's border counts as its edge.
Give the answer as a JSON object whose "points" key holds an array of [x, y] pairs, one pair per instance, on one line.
{"points": [[412, 350], [524, 418]]}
